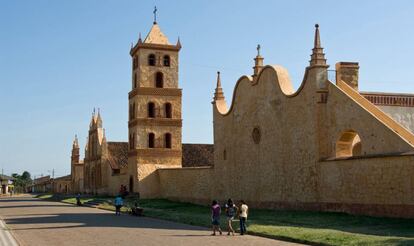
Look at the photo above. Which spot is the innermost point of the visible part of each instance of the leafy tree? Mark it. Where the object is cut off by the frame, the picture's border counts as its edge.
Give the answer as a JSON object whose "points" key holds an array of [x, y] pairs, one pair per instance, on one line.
{"points": [[26, 176], [21, 182]]}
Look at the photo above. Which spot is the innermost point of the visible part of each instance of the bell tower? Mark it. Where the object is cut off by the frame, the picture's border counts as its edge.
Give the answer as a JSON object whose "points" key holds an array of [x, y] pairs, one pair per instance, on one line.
{"points": [[154, 111]]}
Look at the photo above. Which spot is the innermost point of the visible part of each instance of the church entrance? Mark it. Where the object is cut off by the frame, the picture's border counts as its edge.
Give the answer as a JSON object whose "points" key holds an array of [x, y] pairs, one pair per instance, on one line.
{"points": [[131, 184]]}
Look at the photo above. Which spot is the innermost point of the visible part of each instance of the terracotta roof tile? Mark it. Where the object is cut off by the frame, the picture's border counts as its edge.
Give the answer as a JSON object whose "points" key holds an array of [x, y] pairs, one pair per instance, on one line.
{"points": [[196, 155], [117, 154], [67, 177]]}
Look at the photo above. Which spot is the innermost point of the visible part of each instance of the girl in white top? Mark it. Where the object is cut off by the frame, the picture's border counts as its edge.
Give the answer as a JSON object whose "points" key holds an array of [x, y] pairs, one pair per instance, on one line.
{"points": [[244, 211]]}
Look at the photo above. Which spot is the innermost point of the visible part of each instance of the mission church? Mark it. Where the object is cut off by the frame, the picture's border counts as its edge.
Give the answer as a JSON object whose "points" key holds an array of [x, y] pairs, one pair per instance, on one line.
{"points": [[326, 146]]}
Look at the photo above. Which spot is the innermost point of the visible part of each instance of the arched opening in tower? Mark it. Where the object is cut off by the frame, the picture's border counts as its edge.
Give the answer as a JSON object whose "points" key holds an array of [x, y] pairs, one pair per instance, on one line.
{"points": [[159, 80]]}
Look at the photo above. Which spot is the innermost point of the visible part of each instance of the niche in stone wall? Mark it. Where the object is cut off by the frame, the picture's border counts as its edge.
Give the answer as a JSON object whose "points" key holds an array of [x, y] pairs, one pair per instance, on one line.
{"points": [[348, 144], [256, 135]]}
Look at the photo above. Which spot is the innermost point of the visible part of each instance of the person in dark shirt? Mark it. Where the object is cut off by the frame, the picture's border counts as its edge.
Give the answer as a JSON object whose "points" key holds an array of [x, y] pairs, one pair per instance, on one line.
{"points": [[231, 211], [215, 217]]}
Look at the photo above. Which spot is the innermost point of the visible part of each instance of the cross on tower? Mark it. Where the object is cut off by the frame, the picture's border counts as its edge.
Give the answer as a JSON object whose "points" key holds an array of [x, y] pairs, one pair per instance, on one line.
{"points": [[258, 50], [155, 14]]}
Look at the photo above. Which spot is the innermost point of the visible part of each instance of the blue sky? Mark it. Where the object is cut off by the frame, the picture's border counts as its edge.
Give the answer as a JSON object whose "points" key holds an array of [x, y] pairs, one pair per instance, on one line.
{"points": [[60, 59]]}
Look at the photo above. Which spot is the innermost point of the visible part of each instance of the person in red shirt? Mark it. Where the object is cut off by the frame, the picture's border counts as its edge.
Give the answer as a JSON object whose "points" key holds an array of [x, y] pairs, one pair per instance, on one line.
{"points": [[215, 217]]}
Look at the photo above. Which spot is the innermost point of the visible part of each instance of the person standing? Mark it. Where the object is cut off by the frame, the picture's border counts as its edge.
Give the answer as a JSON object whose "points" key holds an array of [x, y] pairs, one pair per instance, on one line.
{"points": [[231, 211], [215, 217], [244, 211], [118, 204], [78, 201]]}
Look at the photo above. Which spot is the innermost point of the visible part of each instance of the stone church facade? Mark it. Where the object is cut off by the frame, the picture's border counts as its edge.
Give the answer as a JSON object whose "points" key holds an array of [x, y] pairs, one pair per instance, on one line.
{"points": [[325, 146]]}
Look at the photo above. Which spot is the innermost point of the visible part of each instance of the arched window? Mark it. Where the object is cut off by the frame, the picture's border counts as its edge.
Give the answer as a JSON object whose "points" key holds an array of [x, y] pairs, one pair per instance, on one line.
{"points": [[131, 184], [151, 140], [167, 60], [132, 111], [151, 60], [135, 80], [159, 80], [224, 155], [151, 110], [132, 141], [168, 140], [135, 62], [348, 144], [168, 110]]}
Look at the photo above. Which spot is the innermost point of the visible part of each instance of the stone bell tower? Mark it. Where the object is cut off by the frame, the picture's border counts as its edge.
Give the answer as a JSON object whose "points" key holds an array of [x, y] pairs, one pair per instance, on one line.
{"points": [[154, 111]]}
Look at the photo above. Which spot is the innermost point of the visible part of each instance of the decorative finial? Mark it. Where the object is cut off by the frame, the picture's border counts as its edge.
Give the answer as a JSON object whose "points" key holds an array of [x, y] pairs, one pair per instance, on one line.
{"points": [[99, 111], [155, 14], [258, 64], [317, 43], [178, 42], [218, 94], [139, 39], [75, 142], [317, 57], [93, 112], [218, 80]]}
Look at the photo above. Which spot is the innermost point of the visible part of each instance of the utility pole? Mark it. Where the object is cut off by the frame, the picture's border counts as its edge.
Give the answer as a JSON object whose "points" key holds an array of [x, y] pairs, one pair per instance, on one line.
{"points": [[53, 173]]}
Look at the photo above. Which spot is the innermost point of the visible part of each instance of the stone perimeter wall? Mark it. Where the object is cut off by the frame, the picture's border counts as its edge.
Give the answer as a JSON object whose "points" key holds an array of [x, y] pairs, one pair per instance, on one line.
{"points": [[378, 186], [292, 164]]}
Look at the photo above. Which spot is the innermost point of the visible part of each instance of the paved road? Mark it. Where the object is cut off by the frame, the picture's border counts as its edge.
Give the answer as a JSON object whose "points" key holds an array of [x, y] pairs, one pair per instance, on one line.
{"points": [[37, 222], [6, 238]]}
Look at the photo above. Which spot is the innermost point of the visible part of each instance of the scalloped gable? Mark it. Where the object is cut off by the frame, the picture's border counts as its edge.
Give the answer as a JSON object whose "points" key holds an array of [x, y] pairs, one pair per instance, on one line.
{"points": [[155, 36], [283, 81]]}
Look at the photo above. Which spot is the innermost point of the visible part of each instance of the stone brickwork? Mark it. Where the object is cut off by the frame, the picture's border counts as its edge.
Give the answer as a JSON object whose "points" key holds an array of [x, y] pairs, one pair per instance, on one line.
{"points": [[154, 112], [323, 147]]}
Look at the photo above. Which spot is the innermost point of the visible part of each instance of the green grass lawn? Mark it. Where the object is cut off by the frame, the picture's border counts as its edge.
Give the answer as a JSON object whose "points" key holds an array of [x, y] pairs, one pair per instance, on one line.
{"points": [[317, 228]]}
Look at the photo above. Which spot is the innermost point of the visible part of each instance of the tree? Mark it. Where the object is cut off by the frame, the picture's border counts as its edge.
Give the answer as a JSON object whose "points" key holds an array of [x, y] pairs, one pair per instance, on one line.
{"points": [[26, 176], [21, 182]]}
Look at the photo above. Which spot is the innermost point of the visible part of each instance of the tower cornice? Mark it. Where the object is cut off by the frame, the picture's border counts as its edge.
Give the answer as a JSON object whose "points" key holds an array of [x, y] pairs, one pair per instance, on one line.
{"points": [[155, 122], [154, 47], [155, 91]]}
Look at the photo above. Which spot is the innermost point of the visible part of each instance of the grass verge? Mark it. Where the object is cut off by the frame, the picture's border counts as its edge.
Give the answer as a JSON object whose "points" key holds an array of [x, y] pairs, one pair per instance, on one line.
{"points": [[315, 228]]}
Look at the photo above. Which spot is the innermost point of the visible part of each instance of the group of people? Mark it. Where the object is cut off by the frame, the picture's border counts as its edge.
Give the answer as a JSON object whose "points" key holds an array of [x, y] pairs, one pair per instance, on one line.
{"points": [[231, 211]]}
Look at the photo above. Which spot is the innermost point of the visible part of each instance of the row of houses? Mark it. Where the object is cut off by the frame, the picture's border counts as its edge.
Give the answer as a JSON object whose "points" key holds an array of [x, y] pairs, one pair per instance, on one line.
{"points": [[46, 184]]}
